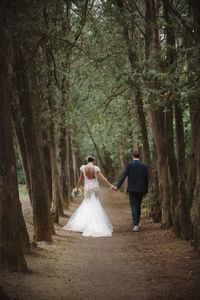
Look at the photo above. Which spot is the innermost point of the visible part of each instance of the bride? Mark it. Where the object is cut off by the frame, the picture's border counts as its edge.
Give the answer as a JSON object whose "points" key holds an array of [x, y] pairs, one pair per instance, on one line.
{"points": [[90, 217]]}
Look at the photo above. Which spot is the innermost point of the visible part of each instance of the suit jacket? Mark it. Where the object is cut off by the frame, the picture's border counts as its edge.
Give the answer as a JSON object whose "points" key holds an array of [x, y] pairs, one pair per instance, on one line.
{"points": [[137, 173]]}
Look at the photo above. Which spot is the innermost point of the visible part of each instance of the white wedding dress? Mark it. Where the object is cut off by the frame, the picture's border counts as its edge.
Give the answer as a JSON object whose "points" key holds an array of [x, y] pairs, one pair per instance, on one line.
{"points": [[90, 218]]}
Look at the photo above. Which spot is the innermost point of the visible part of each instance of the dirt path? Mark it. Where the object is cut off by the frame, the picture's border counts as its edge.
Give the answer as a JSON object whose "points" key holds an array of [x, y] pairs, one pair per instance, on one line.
{"points": [[150, 264]]}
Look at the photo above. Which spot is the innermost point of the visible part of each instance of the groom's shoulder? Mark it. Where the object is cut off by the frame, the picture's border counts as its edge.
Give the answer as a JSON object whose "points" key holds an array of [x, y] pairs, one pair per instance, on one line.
{"points": [[131, 164], [138, 163]]}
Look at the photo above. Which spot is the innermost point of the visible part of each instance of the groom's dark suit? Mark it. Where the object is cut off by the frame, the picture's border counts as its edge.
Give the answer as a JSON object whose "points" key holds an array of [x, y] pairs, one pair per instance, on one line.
{"points": [[137, 173]]}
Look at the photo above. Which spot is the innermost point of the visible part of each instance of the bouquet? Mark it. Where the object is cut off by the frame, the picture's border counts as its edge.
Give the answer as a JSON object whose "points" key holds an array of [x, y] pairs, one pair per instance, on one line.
{"points": [[76, 193]]}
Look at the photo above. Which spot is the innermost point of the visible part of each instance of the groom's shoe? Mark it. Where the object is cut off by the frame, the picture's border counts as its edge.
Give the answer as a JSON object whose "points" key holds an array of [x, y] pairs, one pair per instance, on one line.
{"points": [[136, 228]]}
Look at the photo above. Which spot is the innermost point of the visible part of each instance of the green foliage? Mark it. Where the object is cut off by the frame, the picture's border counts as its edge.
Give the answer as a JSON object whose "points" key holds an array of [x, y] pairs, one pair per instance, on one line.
{"points": [[99, 90], [89, 80]]}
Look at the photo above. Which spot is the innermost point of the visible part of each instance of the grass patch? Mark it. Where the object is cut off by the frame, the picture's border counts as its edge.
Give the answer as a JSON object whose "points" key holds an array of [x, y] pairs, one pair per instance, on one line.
{"points": [[145, 212]]}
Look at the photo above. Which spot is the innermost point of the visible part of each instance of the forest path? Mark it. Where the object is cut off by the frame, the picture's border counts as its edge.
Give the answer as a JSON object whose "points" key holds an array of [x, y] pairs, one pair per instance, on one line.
{"points": [[149, 264]]}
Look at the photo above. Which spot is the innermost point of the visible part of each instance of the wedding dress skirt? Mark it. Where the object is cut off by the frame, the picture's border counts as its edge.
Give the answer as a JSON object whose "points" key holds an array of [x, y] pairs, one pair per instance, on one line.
{"points": [[90, 217]]}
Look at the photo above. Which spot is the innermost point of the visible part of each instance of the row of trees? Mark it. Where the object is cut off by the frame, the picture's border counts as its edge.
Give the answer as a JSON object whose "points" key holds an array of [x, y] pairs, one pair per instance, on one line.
{"points": [[143, 56], [103, 76]]}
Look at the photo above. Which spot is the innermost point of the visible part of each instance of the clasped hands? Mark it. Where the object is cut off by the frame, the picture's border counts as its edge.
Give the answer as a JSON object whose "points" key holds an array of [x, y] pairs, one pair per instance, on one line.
{"points": [[114, 188]]}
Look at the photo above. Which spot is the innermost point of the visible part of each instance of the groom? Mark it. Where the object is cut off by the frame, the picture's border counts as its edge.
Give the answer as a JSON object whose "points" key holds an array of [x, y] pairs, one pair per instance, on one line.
{"points": [[137, 173]]}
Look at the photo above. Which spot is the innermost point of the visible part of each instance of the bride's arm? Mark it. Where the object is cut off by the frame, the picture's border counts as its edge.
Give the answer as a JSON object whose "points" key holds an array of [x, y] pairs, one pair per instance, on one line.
{"points": [[100, 175], [80, 180]]}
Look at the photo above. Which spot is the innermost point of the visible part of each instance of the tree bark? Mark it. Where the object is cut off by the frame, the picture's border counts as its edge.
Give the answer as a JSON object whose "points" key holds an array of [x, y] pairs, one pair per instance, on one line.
{"points": [[11, 257], [26, 87], [157, 124], [195, 120], [152, 48], [185, 220], [65, 146], [57, 195], [197, 201], [171, 66], [193, 59], [25, 242], [123, 163], [74, 150], [135, 86], [135, 83], [16, 116]]}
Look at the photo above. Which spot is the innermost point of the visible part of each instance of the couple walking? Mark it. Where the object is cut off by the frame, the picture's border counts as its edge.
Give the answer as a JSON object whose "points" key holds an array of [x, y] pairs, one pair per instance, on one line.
{"points": [[90, 217]]}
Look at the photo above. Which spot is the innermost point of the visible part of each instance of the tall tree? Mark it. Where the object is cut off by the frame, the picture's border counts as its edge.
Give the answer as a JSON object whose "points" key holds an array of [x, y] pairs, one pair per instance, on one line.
{"points": [[11, 257], [171, 65], [24, 70], [154, 66], [195, 119], [129, 32], [24, 67]]}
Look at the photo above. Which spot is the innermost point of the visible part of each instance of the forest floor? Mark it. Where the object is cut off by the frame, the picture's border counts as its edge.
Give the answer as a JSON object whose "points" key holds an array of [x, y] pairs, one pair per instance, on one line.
{"points": [[150, 264]]}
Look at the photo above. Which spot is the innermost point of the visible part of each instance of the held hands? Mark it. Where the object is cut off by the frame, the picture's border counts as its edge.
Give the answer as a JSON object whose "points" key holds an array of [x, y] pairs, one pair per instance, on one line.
{"points": [[114, 188]]}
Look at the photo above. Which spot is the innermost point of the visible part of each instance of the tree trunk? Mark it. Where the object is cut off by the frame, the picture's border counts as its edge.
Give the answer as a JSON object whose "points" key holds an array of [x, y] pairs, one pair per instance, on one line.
{"points": [[47, 162], [185, 221], [73, 165], [197, 201], [65, 164], [74, 158], [57, 195], [63, 167], [157, 124], [195, 120], [193, 59], [25, 83], [11, 257], [169, 134], [65, 146], [155, 198], [25, 242], [192, 162], [123, 163], [135, 83], [152, 48], [16, 116]]}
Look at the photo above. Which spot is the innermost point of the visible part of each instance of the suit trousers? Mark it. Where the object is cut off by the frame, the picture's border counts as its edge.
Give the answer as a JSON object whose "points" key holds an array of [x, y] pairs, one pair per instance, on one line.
{"points": [[135, 200]]}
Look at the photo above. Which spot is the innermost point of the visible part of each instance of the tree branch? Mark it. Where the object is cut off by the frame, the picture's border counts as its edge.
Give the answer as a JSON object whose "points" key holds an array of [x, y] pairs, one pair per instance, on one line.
{"points": [[113, 96], [180, 18]]}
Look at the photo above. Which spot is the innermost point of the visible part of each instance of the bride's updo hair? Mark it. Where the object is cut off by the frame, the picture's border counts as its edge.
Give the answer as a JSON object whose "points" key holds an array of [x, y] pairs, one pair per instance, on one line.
{"points": [[90, 158]]}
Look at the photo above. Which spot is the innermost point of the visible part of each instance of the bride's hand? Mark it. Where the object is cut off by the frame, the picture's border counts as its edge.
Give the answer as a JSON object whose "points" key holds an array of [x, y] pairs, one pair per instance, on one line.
{"points": [[114, 188]]}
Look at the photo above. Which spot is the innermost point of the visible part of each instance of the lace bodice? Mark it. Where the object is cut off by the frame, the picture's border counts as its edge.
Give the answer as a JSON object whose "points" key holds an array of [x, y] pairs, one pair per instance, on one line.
{"points": [[90, 185]]}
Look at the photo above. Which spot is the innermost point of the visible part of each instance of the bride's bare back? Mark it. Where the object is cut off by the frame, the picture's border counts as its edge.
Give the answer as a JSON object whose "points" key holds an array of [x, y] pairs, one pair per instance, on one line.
{"points": [[91, 172]]}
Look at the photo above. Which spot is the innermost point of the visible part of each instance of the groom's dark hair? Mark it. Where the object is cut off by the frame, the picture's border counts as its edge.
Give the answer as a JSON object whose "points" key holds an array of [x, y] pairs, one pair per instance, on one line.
{"points": [[136, 154]]}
